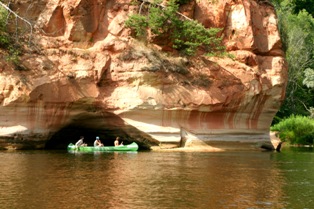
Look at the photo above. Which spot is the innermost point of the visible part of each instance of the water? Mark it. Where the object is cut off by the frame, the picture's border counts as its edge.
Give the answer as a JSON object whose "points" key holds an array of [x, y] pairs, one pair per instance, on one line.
{"points": [[57, 179]]}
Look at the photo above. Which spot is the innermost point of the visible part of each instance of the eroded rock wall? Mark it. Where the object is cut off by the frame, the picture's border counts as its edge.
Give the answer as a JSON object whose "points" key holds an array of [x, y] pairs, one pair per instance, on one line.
{"points": [[86, 65]]}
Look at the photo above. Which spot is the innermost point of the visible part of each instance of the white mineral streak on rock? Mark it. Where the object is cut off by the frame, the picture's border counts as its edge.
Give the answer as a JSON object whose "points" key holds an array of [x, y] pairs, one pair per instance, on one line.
{"points": [[7, 131]]}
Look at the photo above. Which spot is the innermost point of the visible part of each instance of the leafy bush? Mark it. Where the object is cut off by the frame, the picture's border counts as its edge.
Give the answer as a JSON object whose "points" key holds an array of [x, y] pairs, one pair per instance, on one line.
{"points": [[7, 41], [4, 36], [296, 130], [309, 78], [183, 34]]}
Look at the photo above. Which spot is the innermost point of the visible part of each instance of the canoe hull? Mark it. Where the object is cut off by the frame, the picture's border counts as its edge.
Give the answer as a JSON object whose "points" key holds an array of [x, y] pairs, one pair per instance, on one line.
{"points": [[129, 147]]}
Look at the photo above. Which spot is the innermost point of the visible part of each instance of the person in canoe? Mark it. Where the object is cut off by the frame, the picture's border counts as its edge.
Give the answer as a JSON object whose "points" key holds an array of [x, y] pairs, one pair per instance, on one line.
{"points": [[80, 142], [97, 142], [116, 142]]}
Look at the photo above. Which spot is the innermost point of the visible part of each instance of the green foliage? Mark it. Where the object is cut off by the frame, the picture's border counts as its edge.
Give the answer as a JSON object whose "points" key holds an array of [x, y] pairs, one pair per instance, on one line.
{"points": [[296, 130], [4, 36], [295, 6], [309, 78], [192, 35], [14, 55], [138, 23], [4, 39], [3, 17], [297, 34], [163, 21], [184, 35], [299, 5], [7, 42]]}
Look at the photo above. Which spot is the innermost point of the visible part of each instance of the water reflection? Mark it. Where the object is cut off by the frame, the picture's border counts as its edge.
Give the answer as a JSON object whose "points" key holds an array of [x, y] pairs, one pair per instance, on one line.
{"points": [[145, 180], [297, 166]]}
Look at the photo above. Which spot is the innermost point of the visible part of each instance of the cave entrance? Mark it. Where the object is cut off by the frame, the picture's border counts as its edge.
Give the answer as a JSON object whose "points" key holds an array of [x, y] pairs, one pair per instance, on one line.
{"points": [[105, 125]]}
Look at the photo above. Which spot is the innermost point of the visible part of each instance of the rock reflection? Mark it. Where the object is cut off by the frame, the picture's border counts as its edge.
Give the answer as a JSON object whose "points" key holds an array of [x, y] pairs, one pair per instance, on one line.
{"points": [[140, 180]]}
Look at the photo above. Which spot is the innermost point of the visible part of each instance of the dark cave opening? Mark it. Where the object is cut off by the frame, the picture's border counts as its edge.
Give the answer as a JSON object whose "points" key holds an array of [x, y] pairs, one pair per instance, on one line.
{"points": [[107, 126], [72, 133]]}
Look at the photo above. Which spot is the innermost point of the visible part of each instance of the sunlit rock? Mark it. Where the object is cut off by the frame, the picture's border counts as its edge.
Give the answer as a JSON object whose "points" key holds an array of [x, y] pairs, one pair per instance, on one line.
{"points": [[87, 76]]}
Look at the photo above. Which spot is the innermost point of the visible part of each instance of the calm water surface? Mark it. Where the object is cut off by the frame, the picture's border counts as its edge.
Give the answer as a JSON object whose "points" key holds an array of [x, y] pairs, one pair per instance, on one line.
{"points": [[58, 179]]}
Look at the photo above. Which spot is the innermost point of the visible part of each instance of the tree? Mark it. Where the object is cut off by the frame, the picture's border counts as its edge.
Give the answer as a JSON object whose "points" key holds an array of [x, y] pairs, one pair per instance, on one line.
{"points": [[295, 6], [299, 5], [167, 25], [297, 34]]}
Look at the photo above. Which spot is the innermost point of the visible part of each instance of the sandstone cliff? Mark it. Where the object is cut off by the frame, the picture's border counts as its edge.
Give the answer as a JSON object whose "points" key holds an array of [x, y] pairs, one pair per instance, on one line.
{"points": [[88, 76]]}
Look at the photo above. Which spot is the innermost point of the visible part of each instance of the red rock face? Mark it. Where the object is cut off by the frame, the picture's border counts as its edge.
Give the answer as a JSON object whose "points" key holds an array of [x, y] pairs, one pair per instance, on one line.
{"points": [[91, 78]]}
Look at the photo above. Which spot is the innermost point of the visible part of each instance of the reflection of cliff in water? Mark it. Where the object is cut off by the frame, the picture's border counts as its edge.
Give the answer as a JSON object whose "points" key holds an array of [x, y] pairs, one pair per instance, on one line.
{"points": [[246, 180], [148, 180]]}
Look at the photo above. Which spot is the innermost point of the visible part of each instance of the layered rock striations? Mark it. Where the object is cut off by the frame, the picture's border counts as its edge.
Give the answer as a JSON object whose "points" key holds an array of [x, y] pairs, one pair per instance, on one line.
{"points": [[88, 76]]}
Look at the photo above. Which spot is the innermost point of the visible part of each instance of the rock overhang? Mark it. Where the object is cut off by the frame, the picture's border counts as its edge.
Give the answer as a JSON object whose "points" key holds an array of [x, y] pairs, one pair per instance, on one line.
{"points": [[199, 95]]}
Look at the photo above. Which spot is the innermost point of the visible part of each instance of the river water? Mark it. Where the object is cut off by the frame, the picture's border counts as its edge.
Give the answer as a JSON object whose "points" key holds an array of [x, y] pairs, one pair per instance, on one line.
{"points": [[58, 179]]}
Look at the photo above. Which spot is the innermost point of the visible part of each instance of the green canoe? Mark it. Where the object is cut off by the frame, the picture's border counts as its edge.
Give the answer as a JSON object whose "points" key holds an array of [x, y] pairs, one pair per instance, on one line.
{"points": [[129, 147]]}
